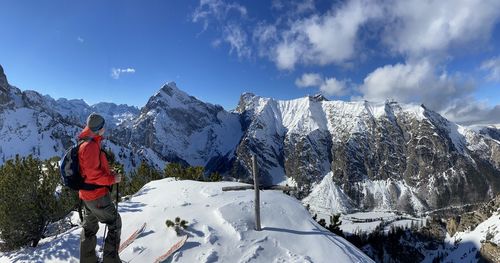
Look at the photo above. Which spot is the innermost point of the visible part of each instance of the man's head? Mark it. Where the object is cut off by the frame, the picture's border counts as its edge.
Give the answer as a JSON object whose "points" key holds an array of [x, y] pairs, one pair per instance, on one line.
{"points": [[95, 122]]}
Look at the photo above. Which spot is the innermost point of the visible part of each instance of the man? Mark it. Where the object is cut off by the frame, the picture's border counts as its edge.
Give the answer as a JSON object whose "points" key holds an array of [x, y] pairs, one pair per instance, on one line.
{"points": [[94, 168]]}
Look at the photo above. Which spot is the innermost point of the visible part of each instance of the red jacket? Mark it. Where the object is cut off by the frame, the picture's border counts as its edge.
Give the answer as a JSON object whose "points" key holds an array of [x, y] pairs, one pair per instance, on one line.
{"points": [[94, 166]]}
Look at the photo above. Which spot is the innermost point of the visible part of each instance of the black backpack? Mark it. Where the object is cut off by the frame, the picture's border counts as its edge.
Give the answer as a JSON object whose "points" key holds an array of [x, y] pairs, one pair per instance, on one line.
{"points": [[70, 169]]}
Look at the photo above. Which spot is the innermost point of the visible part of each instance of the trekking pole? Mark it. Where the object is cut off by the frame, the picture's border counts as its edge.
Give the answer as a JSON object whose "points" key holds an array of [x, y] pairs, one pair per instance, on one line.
{"points": [[117, 197], [105, 228], [104, 238], [117, 239]]}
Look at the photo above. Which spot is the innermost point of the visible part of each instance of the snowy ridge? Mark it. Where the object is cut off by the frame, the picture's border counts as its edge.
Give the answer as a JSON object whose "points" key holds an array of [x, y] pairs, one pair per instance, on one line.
{"points": [[25, 131], [77, 110], [305, 115], [220, 229]]}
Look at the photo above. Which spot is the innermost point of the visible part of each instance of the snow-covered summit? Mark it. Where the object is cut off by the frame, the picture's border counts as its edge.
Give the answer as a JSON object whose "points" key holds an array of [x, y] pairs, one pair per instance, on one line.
{"points": [[170, 96], [181, 128], [221, 229]]}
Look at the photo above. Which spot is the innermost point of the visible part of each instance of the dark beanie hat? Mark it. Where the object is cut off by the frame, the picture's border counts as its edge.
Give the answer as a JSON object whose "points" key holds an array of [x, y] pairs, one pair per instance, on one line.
{"points": [[95, 122]]}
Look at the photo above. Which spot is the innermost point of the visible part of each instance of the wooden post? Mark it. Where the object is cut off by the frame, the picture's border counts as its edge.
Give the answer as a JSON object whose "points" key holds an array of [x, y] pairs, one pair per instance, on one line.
{"points": [[257, 194]]}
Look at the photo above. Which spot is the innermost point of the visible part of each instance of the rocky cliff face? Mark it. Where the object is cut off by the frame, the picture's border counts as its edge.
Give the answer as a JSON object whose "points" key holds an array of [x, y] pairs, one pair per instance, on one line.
{"points": [[3, 87], [380, 156]]}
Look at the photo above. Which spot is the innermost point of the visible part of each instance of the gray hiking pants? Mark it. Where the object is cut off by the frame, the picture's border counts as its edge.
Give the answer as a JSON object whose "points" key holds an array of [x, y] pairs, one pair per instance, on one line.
{"points": [[100, 210]]}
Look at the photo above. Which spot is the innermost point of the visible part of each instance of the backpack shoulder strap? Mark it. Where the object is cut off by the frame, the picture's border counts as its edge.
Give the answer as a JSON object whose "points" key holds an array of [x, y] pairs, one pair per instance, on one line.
{"points": [[85, 139]]}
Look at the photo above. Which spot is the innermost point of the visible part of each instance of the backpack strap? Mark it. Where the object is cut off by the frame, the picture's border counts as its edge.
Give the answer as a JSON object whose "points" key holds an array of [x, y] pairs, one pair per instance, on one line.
{"points": [[85, 139]]}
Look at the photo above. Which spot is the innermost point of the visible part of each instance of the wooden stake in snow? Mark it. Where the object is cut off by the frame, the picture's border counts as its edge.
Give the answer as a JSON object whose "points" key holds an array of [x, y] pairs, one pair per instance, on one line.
{"points": [[257, 188], [257, 194]]}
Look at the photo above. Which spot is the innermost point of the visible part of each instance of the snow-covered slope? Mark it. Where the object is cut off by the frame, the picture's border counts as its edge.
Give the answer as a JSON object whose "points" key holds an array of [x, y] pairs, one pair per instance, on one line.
{"points": [[221, 229], [465, 245]]}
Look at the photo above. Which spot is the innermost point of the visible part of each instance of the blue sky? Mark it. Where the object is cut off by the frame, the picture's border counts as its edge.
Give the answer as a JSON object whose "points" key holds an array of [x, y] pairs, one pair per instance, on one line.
{"points": [[445, 54]]}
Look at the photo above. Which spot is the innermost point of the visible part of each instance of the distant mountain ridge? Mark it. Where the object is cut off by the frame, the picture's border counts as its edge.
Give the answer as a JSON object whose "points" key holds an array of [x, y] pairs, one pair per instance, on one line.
{"points": [[343, 156]]}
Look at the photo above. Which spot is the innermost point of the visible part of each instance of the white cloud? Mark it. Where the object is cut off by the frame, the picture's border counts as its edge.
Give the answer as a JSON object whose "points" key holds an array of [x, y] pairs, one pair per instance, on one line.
{"points": [[304, 6], [493, 68], [420, 82], [401, 81], [416, 28], [287, 55], [309, 80], [116, 72], [334, 87], [237, 40], [323, 39], [216, 43], [264, 34], [232, 32], [80, 39], [277, 4], [328, 86], [217, 9], [469, 111], [293, 8]]}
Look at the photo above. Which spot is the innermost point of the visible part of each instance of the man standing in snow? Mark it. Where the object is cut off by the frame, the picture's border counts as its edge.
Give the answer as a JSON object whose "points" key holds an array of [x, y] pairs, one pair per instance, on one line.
{"points": [[94, 168]]}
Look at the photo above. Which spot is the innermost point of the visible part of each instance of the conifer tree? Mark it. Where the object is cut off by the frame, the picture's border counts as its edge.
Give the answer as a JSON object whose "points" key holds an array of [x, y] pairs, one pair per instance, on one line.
{"points": [[215, 177], [174, 170], [31, 197], [335, 223], [141, 176], [178, 225]]}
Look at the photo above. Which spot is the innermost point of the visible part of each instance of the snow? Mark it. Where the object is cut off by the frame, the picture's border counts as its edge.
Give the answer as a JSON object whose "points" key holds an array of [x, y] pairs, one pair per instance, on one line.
{"points": [[479, 127], [462, 246], [221, 228], [415, 111], [327, 197], [20, 134], [302, 115]]}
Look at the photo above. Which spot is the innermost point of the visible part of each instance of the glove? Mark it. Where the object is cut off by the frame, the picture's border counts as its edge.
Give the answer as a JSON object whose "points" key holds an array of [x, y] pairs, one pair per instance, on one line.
{"points": [[118, 178]]}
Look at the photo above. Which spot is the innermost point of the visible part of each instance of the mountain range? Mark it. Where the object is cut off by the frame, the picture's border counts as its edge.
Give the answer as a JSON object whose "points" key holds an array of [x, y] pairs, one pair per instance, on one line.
{"points": [[342, 156]]}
